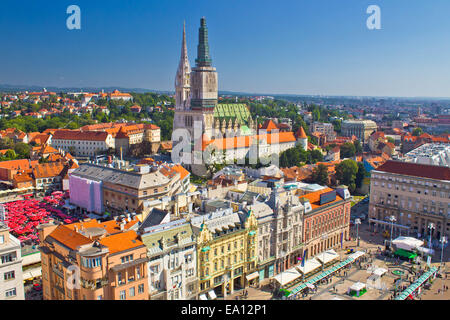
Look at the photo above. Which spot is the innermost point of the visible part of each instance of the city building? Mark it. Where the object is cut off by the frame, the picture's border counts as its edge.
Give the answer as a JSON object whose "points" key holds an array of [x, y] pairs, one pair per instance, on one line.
{"points": [[93, 260], [172, 258], [325, 128], [280, 223], [437, 154], [82, 143], [326, 221], [11, 280], [226, 251], [415, 194], [96, 188], [362, 129]]}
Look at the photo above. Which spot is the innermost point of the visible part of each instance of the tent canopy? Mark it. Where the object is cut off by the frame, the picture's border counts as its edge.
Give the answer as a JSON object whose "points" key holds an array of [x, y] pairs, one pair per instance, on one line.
{"points": [[310, 265], [356, 255], [358, 286], [327, 256], [425, 250], [252, 276], [407, 243], [379, 271], [212, 294], [287, 276], [203, 297]]}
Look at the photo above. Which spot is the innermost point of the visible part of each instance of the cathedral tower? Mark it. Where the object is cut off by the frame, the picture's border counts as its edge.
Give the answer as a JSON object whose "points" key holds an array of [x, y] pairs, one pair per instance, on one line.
{"points": [[182, 80], [204, 84], [182, 88]]}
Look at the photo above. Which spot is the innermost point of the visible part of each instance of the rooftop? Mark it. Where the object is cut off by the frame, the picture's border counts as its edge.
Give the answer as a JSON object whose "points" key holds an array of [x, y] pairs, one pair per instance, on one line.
{"points": [[416, 170]]}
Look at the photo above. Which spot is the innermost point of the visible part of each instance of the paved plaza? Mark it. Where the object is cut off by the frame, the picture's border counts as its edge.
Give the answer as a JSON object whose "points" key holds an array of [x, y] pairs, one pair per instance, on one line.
{"points": [[337, 286]]}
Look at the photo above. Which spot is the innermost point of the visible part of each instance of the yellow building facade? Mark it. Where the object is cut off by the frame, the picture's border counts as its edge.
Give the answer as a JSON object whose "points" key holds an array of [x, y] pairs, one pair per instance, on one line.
{"points": [[226, 253]]}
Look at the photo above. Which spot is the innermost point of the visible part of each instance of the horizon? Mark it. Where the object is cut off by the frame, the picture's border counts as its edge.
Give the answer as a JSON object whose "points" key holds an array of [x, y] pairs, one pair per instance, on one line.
{"points": [[326, 53]]}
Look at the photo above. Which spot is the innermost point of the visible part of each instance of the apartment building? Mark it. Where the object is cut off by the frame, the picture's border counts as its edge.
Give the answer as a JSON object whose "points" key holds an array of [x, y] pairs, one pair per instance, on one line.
{"points": [[172, 258], [326, 221], [227, 251], [93, 260], [415, 194], [325, 128], [82, 143], [280, 233], [11, 280]]}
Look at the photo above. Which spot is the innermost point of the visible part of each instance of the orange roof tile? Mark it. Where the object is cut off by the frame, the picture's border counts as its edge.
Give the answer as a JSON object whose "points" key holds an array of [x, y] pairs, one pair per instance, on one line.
{"points": [[122, 241], [314, 198], [182, 171], [69, 237]]}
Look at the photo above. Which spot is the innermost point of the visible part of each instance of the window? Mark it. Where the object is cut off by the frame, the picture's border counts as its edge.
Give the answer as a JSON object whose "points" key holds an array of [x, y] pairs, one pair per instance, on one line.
{"points": [[2, 239], [126, 259], [8, 257], [132, 292], [9, 275], [92, 262], [123, 295], [10, 293], [120, 279], [100, 297], [140, 288], [138, 272]]}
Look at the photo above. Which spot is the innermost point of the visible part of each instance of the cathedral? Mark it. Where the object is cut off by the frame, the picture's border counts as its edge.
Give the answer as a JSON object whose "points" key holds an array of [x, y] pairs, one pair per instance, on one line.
{"points": [[197, 92], [226, 127]]}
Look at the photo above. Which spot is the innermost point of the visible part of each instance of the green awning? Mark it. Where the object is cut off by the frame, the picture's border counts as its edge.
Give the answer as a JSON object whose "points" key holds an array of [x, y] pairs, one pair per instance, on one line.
{"points": [[205, 249], [405, 254]]}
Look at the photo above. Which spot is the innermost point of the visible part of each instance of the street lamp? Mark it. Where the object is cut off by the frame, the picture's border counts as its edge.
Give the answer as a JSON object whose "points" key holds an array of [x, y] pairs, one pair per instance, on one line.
{"points": [[357, 222], [431, 227], [443, 241], [283, 255], [324, 237], [392, 219]]}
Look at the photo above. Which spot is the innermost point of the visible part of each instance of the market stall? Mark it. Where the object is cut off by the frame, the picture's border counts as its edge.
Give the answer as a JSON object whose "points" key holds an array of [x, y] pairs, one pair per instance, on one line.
{"points": [[327, 257], [357, 289], [285, 278]]}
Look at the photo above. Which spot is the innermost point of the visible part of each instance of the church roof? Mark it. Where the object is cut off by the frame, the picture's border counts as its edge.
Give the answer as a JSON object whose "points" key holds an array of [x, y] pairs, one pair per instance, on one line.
{"points": [[301, 133], [237, 111]]}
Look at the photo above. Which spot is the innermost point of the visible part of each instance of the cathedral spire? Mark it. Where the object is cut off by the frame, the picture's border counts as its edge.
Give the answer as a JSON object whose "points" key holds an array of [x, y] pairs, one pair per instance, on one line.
{"points": [[183, 45], [203, 57]]}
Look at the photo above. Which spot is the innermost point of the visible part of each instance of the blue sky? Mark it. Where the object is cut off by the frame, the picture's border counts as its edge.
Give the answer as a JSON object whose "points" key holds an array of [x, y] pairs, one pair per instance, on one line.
{"points": [[285, 46]]}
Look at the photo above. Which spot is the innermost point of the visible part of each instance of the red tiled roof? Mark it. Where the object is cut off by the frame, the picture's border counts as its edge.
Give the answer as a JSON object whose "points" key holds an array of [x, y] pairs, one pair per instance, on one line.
{"points": [[416, 170], [301, 133], [80, 135]]}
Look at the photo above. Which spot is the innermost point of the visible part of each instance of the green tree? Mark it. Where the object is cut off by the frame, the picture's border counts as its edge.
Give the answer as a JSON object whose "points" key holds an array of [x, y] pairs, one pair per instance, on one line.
{"points": [[22, 150], [348, 150], [358, 147], [417, 132], [10, 154], [391, 140], [360, 175], [346, 173], [320, 174], [315, 156]]}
